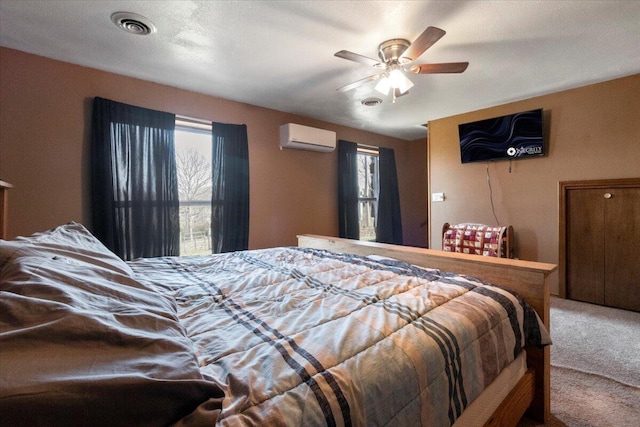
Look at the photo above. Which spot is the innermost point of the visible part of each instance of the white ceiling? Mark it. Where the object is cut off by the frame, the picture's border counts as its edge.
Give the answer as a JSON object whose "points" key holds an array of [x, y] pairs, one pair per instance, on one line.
{"points": [[280, 54]]}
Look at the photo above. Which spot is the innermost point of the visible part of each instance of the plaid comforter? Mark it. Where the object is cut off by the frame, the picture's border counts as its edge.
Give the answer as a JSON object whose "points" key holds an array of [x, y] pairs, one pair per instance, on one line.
{"points": [[301, 337]]}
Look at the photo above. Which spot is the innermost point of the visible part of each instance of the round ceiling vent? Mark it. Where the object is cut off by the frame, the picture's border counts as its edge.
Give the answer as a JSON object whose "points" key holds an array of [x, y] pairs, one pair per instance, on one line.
{"points": [[371, 102], [133, 23]]}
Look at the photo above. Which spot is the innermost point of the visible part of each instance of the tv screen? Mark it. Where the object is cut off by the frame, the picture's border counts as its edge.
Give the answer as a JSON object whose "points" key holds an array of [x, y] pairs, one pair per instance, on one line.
{"points": [[514, 136]]}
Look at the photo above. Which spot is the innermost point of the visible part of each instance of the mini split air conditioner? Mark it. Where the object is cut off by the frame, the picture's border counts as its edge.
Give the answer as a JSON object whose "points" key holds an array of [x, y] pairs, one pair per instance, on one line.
{"points": [[306, 138]]}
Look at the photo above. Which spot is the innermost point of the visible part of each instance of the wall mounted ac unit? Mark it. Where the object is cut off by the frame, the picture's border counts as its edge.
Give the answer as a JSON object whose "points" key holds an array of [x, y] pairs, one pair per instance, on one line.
{"points": [[306, 138]]}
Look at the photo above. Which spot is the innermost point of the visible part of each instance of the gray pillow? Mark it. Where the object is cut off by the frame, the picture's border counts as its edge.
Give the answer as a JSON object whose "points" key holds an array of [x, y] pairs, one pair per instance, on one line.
{"points": [[83, 343], [72, 241]]}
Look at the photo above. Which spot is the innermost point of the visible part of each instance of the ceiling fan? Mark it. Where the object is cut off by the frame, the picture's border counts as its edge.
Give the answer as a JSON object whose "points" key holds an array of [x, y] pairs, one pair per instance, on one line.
{"points": [[396, 56]]}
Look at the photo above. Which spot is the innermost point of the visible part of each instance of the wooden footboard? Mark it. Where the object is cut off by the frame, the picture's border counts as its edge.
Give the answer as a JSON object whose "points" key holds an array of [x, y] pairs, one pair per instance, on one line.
{"points": [[529, 279], [510, 411]]}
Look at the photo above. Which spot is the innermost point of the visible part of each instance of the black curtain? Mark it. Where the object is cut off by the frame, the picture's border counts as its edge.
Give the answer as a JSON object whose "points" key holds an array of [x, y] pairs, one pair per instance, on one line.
{"points": [[230, 188], [134, 180], [349, 225], [388, 222]]}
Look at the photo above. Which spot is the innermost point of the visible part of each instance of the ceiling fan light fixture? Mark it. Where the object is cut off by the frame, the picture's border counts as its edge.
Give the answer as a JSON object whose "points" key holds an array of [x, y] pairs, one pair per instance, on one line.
{"points": [[395, 81], [399, 81], [384, 86]]}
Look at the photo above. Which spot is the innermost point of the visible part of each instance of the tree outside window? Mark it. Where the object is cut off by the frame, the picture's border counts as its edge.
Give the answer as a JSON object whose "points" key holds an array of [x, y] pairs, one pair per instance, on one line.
{"points": [[193, 161], [367, 192]]}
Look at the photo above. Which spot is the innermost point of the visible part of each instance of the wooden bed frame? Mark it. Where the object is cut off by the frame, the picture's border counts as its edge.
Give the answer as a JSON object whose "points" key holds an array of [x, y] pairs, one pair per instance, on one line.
{"points": [[529, 279]]}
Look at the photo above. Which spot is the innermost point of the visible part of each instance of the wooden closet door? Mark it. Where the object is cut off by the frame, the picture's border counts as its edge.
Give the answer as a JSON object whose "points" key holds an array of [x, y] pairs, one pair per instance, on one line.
{"points": [[585, 245], [622, 248]]}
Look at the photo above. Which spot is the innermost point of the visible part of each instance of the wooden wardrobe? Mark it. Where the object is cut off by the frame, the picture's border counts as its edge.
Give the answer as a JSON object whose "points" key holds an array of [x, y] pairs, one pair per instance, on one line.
{"points": [[600, 242]]}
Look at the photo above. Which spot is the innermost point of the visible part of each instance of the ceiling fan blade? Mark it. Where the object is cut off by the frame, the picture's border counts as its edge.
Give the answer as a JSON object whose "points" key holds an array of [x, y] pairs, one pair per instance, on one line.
{"points": [[359, 82], [447, 67], [345, 54], [423, 42]]}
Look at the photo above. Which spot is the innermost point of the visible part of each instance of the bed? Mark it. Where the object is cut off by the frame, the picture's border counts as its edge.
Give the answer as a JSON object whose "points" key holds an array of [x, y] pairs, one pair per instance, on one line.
{"points": [[331, 332]]}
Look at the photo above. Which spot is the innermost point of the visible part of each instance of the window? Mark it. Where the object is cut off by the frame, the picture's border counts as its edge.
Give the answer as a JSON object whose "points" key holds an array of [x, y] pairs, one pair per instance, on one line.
{"points": [[193, 161], [367, 191]]}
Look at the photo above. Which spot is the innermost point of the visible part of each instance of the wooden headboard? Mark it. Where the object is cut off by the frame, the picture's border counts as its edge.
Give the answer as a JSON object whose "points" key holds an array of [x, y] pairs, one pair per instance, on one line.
{"points": [[4, 197], [529, 279]]}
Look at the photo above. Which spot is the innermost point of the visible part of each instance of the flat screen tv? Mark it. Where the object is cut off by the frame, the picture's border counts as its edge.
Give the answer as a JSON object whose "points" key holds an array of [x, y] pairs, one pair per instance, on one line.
{"points": [[510, 137]]}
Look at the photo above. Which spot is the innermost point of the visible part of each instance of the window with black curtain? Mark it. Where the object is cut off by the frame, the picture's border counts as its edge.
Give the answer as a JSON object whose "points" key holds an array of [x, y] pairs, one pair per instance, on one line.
{"points": [[388, 221], [230, 188], [134, 180]]}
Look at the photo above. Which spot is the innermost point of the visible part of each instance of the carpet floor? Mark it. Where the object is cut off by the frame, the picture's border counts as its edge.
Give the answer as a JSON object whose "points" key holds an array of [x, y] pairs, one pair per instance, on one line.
{"points": [[595, 366]]}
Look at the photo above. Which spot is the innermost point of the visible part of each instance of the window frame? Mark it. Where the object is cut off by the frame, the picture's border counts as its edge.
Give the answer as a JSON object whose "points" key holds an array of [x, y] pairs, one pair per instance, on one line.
{"points": [[365, 202]]}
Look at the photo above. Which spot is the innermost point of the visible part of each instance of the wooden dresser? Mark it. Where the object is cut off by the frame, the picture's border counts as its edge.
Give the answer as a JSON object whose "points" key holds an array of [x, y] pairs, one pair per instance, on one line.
{"points": [[4, 197]]}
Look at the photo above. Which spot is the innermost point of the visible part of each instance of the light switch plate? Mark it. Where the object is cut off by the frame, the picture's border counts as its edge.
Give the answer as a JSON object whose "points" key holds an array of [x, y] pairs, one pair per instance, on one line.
{"points": [[437, 197]]}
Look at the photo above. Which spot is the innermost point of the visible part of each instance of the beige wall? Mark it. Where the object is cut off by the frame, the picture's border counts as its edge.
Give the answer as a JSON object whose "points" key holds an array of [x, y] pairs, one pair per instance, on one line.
{"points": [[592, 132], [44, 150]]}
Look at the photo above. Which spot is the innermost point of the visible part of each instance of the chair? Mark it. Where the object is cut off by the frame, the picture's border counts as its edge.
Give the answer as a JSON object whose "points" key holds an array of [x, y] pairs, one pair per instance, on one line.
{"points": [[478, 239]]}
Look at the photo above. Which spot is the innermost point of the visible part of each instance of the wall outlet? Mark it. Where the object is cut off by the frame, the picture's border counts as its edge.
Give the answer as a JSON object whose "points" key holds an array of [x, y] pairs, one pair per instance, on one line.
{"points": [[437, 197]]}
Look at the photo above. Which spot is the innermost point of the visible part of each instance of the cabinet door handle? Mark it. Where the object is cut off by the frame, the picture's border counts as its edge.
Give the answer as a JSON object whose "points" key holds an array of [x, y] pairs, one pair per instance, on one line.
{"points": [[608, 195]]}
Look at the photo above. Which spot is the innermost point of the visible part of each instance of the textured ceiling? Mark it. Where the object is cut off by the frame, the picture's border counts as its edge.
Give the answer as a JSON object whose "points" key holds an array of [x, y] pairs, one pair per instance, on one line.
{"points": [[280, 54]]}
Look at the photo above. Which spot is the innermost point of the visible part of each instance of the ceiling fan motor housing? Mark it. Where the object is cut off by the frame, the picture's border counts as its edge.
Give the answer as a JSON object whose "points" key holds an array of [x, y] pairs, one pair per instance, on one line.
{"points": [[391, 50]]}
